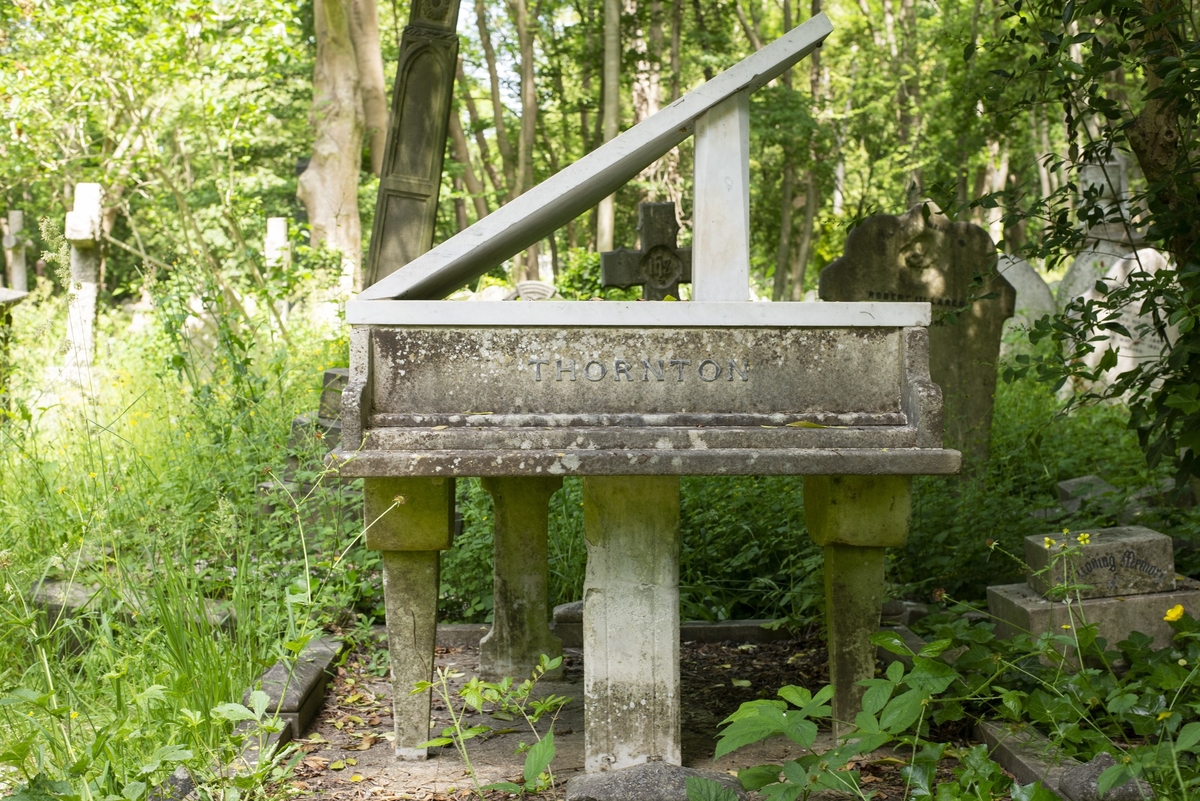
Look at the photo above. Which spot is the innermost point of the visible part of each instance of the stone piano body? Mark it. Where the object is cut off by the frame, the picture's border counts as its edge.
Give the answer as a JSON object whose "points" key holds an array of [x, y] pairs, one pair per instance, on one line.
{"points": [[630, 396]]}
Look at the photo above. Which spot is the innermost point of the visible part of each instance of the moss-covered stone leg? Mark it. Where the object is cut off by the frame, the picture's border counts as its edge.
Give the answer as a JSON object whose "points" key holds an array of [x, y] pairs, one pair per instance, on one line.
{"points": [[520, 623], [631, 621], [854, 518], [410, 520]]}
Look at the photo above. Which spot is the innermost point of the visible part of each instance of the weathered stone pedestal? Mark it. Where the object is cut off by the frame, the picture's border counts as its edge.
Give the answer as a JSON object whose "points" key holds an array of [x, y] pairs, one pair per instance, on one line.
{"points": [[410, 520], [631, 621], [521, 578], [855, 519], [1125, 582]]}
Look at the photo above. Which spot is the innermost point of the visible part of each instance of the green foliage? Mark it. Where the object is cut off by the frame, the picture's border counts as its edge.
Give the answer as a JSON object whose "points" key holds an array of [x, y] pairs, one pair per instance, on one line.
{"points": [[141, 496], [503, 701]]}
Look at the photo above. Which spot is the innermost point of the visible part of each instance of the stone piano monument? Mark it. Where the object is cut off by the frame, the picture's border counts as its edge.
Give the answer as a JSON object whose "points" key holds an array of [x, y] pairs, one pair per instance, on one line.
{"points": [[630, 396]]}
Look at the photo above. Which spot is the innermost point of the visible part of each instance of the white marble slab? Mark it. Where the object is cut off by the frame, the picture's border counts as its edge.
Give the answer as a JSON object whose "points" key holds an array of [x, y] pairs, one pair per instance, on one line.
{"points": [[643, 314]]}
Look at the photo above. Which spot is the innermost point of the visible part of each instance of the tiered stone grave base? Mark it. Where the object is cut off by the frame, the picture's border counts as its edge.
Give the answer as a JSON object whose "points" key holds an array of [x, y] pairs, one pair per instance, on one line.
{"points": [[1122, 580]]}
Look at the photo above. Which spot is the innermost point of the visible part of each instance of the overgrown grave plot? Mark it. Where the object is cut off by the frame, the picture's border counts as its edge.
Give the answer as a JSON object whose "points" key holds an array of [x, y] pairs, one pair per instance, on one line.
{"points": [[349, 753]]}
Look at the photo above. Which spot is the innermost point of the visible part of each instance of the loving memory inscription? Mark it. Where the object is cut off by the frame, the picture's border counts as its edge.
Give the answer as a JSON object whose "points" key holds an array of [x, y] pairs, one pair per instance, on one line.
{"points": [[708, 370]]}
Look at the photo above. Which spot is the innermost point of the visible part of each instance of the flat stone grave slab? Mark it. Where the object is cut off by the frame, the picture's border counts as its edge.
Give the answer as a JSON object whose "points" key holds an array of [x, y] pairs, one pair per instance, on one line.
{"points": [[1018, 608], [1129, 560]]}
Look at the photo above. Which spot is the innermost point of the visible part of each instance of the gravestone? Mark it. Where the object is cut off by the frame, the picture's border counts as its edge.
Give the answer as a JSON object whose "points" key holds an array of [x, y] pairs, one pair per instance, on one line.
{"points": [[1033, 299], [660, 266], [630, 396], [82, 230], [15, 243], [927, 258], [1126, 582], [1104, 185], [1144, 345], [406, 206]]}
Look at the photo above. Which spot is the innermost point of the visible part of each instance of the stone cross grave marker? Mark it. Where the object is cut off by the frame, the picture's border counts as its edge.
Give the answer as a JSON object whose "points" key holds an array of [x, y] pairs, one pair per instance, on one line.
{"points": [[14, 245], [928, 258], [630, 396], [660, 266], [82, 230]]}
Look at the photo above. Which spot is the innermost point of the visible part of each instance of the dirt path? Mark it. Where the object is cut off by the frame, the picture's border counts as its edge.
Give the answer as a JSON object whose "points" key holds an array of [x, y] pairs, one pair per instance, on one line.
{"points": [[349, 754]]}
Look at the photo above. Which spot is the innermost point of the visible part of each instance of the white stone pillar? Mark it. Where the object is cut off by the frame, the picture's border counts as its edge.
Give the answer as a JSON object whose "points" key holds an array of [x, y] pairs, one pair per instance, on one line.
{"points": [[277, 251], [721, 219], [631, 621], [83, 232], [15, 244]]}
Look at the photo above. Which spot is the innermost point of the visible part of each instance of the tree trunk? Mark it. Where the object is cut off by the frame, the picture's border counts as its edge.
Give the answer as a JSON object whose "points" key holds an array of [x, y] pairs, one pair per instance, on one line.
{"points": [[676, 42], [611, 111], [811, 197], [462, 154], [364, 34], [507, 158], [485, 153], [783, 252], [1155, 136], [329, 186], [529, 115]]}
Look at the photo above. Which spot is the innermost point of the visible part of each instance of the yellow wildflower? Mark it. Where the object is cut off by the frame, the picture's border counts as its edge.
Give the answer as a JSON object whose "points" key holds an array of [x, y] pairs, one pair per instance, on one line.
{"points": [[1066, 626], [74, 714], [1049, 543], [1182, 662], [1084, 538], [1174, 613], [1164, 715]]}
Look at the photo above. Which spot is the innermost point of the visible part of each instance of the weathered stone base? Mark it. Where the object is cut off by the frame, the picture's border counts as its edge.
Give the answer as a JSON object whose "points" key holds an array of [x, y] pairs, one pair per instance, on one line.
{"points": [[1017, 609]]}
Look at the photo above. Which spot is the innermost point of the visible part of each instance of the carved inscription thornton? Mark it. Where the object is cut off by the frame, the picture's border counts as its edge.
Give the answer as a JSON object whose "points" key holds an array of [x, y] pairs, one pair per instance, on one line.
{"points": [[707, 370]]}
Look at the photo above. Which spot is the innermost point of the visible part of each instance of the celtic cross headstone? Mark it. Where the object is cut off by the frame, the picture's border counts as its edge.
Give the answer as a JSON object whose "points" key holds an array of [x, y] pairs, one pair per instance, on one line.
{"points": [[660, 266]]}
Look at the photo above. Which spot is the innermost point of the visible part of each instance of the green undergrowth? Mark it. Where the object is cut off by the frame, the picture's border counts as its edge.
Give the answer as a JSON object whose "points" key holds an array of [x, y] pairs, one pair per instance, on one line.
{"points": [[137, 493]]}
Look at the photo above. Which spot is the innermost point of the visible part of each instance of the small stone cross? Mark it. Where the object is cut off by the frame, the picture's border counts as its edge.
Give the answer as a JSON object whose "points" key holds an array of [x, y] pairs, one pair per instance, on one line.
{"points": [[659, 267]]}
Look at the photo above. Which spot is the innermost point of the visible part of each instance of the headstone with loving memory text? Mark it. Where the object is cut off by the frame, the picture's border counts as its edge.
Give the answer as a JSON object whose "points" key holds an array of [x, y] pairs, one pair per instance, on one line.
{"points": [[1123, 580], [923, 256]]}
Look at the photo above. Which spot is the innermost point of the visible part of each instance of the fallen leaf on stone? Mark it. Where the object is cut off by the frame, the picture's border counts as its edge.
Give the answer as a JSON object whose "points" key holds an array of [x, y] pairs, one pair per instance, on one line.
{"points": [[740, 682], [339, 765], [352, 698], [351, 761], [749, 646], [339, 724], [373, 721], [868, 778], [316, 737], [357, 777], [368, 740], [316, 763]]}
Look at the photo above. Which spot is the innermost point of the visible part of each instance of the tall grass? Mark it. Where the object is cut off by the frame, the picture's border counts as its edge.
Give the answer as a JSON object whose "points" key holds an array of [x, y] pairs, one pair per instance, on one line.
{"points": [[138, 491]]}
